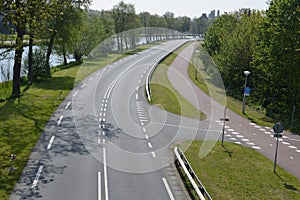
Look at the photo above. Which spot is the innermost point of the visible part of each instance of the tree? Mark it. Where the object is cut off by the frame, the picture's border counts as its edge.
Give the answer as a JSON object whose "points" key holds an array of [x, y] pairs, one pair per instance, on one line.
{"points": [[278, 55], [16, 12]]}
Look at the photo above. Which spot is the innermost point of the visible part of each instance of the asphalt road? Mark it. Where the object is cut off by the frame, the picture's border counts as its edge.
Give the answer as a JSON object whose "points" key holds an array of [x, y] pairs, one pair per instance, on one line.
{"points": [[106, 142], [238, 129]]}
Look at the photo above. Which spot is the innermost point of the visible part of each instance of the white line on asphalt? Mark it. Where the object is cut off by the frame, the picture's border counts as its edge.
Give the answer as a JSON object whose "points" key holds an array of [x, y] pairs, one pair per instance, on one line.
{"points": [[68, 104], [91, 79], [142, 123], [268, 133], [239, 136], [230, 129], [137, 88], [36, 179], [298, 151], [102, 105], [168, 188], [105, 174], [50, 142], [100, 119], [140, 81], [245, 140], [99, 140], [286, 143], [99, 185], [75, 94], [291, 157], [100, 114], [235, 133], [83, 85], [103, 133], [103, 119], [104, 141], [59, 121], [149, 145], [98, 74], [144, 129], [136, 96], [104, 114], [105, 105], [292, 147], [256, 147], [238, 143], [232, 139], [153, 154], [250, 143], [147, 137]]}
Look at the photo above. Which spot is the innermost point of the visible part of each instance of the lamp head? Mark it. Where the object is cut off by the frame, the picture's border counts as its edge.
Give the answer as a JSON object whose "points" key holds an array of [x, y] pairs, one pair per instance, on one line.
{"points": [[247, 73]]}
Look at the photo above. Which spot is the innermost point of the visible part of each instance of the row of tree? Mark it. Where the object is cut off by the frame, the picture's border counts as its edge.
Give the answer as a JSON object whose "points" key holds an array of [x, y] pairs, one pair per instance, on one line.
{"points": [[69, 27], [268, 45]]}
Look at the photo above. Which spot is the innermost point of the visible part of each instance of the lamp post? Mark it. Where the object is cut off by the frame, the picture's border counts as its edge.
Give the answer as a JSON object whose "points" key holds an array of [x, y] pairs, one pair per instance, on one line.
{"points": [[197, 53], [244, 98]]}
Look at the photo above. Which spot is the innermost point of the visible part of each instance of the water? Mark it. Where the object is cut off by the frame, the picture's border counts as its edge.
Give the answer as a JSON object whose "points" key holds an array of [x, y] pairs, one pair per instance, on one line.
{"points": [[7, 62]]}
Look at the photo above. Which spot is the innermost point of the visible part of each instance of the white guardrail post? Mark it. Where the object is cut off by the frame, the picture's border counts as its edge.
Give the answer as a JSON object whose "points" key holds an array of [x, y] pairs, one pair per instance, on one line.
{"points": [[191, 179]]}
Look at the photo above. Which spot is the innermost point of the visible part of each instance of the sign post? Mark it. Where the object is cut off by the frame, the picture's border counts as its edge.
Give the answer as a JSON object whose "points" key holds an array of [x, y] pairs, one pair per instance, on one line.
{"points": [[278, 129], [224, 119]]}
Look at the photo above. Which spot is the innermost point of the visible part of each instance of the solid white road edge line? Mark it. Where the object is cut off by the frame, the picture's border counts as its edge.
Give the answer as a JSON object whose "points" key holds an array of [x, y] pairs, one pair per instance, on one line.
{"points": [[105, 174], [99, 185], [168, 188], [36, 179], [50, 142]]}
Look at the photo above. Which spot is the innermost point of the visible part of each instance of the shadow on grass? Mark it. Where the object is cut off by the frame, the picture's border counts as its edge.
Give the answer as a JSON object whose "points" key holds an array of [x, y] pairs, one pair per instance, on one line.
{"points": [[287, 186], [227, 151], [57, 83]]}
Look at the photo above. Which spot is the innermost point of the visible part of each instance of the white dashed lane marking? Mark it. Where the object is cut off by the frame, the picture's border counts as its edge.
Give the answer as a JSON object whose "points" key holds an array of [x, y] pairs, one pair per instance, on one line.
{"points": [[256, 147]]}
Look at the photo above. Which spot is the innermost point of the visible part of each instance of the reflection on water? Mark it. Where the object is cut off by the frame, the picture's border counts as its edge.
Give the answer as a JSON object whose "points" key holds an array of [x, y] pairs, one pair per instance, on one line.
{"points": [[7, 61]]}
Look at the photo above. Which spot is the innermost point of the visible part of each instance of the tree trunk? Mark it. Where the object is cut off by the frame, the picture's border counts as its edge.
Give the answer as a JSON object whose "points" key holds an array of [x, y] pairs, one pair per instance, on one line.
{"points": [[64, 55], [18, 55], [49, 51], [30, 59]]}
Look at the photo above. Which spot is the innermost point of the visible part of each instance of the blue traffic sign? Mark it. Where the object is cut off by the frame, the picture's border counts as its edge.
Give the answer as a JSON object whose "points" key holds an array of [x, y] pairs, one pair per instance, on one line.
{"points": [[247, 90]]}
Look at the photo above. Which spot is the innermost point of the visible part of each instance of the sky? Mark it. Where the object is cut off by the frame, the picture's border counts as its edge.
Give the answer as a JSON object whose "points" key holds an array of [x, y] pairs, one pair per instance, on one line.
{"points": [[190, 8]]}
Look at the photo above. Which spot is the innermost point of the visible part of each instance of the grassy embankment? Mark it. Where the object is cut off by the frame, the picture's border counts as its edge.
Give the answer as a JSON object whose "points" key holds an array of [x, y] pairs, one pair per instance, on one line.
{"points": [[22, 120], [164, 95], [237, 172]]}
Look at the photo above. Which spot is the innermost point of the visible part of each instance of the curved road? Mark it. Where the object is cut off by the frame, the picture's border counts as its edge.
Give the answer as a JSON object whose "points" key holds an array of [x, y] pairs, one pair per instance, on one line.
{"points": [[238, 129], [106, 142]]}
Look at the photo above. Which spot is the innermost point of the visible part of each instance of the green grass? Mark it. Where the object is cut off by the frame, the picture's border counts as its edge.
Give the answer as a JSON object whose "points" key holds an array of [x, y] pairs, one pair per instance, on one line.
{"points": [[205, 84], [164, 95], [238, 172]]}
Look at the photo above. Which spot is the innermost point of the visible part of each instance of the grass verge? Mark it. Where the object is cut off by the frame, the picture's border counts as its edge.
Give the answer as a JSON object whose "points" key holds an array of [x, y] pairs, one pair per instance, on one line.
{"points": [[164, 95], [237, 172], [204, 82]]}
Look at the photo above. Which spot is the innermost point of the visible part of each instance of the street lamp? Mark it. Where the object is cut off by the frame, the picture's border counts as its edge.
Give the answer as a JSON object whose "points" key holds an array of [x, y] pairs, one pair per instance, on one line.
{"points": [[244, 99], [197, 53]]}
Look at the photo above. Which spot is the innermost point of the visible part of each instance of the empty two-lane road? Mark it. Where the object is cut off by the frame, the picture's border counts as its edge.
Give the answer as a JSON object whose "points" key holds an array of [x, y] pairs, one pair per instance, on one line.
{"points": [[106, 142]]}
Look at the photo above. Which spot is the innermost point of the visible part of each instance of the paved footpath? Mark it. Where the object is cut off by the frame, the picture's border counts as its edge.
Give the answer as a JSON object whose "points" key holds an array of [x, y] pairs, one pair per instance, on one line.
{"points": [[238, 129]]}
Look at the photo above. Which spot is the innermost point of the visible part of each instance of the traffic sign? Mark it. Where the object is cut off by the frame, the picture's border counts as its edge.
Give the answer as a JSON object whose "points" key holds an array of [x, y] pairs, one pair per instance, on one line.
{"points": [[278, 128], [247, 91]]}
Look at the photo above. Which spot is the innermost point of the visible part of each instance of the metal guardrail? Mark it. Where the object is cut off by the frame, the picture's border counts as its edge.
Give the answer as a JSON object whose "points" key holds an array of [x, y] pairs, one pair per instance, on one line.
{"points": [[188, 170], [153, 67]]}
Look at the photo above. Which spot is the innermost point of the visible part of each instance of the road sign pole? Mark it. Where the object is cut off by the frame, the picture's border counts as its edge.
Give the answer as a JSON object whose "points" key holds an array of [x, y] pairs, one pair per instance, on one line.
{"points": [[278, 129], [275, 161], [224, 126]]}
